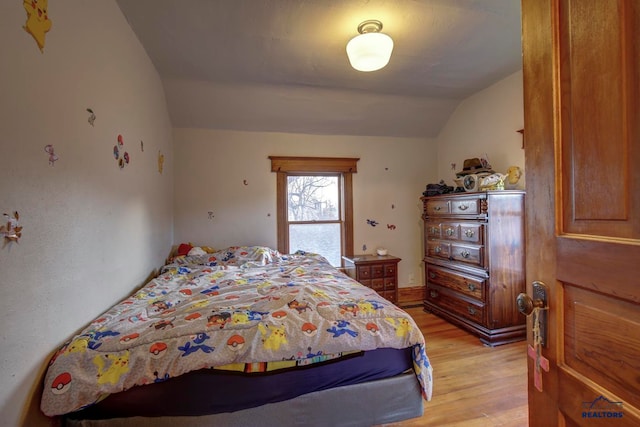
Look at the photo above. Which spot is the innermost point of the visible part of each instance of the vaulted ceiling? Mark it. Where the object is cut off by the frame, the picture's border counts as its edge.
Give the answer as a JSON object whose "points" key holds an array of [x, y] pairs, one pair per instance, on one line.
{"points": [[281, 65]]}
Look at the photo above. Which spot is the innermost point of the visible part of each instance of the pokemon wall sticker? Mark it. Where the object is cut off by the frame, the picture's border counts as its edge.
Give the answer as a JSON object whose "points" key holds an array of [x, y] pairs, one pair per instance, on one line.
{"points": [[11, 230], [38, 22], [372, 222], [52, 155], [160, 161], [92, 116], [118, 152]]}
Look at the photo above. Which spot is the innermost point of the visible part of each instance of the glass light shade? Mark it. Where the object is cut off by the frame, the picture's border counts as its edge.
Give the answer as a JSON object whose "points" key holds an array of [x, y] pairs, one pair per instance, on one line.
{"points": [[369, 51]]}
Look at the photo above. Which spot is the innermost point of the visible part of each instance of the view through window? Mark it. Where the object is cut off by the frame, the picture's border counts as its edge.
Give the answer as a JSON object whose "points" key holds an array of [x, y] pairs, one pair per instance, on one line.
{"points": [[314, 215]]}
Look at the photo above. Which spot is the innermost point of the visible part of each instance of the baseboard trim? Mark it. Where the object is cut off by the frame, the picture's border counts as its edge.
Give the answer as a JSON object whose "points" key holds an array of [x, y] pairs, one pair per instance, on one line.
{"points": [[411, 297]]}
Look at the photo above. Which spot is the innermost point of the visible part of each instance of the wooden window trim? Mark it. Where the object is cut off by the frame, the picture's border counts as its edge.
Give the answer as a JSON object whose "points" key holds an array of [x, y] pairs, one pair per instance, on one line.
{"points": [[286, 165]]}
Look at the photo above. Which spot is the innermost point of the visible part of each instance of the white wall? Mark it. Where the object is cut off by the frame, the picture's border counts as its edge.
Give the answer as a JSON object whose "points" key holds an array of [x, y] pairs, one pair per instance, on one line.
{"points": [[485, 123], [211, 167], [92, 232]]}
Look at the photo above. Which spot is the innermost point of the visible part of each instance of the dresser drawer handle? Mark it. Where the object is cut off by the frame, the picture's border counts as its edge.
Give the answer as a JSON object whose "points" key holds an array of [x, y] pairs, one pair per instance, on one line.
{"points": [[437, 208], [432, 275], [469, 233], [437, 249], [471, 287], [450, 231], [434, 230], [433, 294], [465, 254], [472, 311], [463, 207]]}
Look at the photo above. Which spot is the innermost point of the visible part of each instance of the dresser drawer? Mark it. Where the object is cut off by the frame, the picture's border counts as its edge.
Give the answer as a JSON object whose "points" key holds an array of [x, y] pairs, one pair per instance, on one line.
{"points": [[450, 230], [469, 254], [438, 249], [463, 283], [432, 230], [437, 207], [472, 233], [450, 301], [465, 206]]}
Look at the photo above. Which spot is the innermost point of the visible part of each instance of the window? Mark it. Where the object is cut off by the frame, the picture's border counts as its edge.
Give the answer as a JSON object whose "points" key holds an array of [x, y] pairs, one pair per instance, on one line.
{"points": [[315, 206]]}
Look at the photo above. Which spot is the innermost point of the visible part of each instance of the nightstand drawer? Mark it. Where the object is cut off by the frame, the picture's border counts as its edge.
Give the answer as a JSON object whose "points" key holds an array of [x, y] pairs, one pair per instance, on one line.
{"points": [[377, 270], [463, 283], [390, 270], [377, 285], [364, 272]]}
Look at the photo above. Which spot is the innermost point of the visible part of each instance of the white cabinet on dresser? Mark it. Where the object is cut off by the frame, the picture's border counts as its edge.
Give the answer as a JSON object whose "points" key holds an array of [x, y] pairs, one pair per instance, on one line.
{"points": [[474, 262]]}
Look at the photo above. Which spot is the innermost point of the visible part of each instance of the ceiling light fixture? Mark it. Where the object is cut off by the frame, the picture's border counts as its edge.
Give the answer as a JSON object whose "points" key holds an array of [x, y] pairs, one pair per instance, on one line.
{"points": [[371, 49]]}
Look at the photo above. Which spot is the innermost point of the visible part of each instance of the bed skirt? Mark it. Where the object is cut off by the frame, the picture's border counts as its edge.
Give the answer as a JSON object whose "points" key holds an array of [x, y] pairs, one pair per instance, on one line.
{"points": [[365, 404]]}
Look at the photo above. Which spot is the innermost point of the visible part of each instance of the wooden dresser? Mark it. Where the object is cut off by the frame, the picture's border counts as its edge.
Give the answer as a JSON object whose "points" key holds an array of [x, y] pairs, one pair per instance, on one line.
{"points": [[378, 272], [474, 262]]}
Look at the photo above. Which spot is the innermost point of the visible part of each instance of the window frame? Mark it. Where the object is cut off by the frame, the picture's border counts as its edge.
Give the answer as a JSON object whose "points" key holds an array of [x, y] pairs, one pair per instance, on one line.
{"points": [[344, 166]]}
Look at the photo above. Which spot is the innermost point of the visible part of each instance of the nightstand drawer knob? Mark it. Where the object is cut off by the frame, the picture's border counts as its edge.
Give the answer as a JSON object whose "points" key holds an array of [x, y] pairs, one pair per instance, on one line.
{"points": [[434, 294], [463, 207], [472, 311], [469, 233], [465, 254], [438, 249], [471, 287], [437, 208], [432, 275]]}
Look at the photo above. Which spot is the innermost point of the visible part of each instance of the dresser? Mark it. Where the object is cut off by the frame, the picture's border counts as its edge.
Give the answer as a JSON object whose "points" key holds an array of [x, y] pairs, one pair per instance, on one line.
{"points": [[475, 263], [378, 272]]}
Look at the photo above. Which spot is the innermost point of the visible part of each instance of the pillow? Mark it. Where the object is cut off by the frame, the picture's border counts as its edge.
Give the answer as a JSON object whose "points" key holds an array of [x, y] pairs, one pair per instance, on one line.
{"points": [[239, 255], [197, 250], [184, 249]]}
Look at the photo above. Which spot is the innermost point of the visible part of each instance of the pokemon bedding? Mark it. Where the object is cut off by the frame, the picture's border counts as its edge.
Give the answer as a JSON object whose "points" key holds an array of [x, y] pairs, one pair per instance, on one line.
{"points": [[241, 305]]}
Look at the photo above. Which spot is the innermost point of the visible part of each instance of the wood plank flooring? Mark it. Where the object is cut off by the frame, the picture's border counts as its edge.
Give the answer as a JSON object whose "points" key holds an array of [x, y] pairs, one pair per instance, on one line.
{"points": [[473, 385]]}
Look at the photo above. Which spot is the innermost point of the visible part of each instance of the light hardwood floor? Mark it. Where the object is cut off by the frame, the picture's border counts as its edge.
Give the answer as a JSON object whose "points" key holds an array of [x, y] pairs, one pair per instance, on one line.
{"points": [[473, 385]]}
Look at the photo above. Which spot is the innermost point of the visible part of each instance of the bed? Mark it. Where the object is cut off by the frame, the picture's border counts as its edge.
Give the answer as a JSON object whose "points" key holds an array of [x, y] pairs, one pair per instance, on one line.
{"points": [[243, 336]]}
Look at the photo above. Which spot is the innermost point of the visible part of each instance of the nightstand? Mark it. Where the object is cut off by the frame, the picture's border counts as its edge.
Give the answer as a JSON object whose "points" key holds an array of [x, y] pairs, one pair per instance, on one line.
{"points": [[378, 272]]}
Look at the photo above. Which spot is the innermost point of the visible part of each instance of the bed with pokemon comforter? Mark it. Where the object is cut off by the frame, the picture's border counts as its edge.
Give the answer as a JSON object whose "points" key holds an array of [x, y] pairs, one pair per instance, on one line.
{"points": [[229, 310]]}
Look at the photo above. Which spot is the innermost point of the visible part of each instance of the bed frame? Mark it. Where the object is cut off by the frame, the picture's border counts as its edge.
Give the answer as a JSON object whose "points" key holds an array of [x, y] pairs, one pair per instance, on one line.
{"points": [[365, 404]]}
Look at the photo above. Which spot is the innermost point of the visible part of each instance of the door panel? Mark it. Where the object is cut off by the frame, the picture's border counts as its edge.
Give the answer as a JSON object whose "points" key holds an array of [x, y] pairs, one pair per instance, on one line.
{"points": [[602, 338], [598, 69], [581, 67]]}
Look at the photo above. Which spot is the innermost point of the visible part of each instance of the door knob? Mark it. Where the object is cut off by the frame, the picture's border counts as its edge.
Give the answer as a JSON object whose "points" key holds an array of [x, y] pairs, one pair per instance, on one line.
{"points": [[526, 304]]}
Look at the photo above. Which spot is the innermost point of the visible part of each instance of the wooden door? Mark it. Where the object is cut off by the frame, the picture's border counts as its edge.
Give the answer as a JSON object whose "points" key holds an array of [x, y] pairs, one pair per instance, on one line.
{"points": [[582, 148]]}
